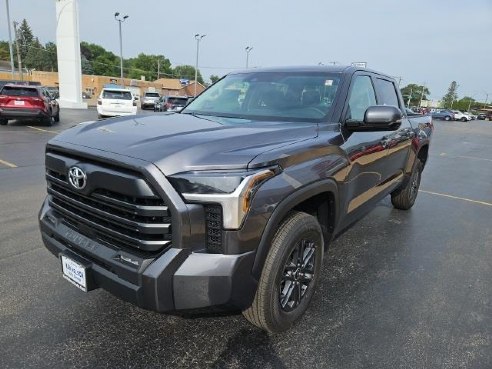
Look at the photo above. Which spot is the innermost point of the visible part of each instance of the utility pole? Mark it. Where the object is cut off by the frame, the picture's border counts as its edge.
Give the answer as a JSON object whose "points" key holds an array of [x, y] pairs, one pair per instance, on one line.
{"points": [[19, 61], [409, 97], [10, 40], [158, 68], [422, 95], [486, 99]]}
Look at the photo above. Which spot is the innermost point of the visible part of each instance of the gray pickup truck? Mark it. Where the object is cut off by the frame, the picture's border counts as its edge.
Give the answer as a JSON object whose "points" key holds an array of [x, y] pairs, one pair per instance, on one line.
{"points": [[232, 202]]}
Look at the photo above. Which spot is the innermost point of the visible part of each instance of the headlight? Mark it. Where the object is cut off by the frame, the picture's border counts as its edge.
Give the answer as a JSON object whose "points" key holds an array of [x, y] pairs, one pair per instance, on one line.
{"points": [[233, 190]]}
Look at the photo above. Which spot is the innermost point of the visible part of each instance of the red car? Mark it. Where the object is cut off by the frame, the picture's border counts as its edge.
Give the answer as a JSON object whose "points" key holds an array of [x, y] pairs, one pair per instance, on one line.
{"points": [[28, 102]]}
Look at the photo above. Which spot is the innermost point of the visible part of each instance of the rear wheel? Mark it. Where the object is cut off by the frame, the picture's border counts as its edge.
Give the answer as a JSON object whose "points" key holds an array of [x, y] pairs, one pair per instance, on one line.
{"points": [[57, 116], [3, 122], [405, 197], [290, 274], [50, 120]]}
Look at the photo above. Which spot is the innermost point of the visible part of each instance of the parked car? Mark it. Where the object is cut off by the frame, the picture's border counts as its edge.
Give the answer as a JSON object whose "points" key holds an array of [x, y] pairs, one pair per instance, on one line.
{"points": [[28, 102], [228, 204], [54, 91], [149, 100], [461, 116], [471, 115], [114, 102], [445, 114], [172, 103], [482, 116]]}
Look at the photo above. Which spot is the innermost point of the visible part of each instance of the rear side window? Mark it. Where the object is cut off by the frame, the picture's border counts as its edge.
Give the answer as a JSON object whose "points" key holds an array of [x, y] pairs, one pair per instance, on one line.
{"points": [[19, 91], [361, 97], [386, 93], [177, 100], [120, 95]]}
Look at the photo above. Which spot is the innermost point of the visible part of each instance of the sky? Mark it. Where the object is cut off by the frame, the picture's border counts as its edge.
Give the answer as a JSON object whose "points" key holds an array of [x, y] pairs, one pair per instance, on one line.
{"points": [[431, 42]]}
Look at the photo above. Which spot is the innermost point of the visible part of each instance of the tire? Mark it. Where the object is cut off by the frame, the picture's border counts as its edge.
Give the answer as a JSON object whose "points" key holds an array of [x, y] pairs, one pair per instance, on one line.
{"points": [[57, 116], [405, 197], [464, 119], [447, 118], [272, 310], [3, 122], [99, 116], [50, 120]]}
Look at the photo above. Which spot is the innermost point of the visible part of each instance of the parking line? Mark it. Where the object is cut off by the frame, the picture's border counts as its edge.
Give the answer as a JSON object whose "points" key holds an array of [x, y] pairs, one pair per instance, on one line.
{"points": [[457, 198], [10, 165], [43, 130]]}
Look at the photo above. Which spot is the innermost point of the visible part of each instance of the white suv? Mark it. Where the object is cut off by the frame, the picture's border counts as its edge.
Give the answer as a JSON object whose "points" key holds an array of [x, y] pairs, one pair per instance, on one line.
{"points": [[113, 102], [460, 116]]}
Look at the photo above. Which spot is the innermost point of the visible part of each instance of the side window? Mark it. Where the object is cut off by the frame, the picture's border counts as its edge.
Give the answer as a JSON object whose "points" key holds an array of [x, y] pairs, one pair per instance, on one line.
{"points": [[361, 97], [386, 92]]}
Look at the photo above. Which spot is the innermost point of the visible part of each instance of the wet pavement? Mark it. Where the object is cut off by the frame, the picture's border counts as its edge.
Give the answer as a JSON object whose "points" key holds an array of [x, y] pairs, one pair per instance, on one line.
{"points": [[399, 289]]}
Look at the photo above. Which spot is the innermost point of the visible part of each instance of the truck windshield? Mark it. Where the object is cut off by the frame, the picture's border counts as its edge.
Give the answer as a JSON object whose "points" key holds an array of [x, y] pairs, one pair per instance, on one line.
{"points": [[291, 96]]}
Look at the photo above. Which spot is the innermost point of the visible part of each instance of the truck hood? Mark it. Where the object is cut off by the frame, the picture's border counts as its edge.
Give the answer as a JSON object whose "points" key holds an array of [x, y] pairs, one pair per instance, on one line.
{"points": [[179, 142]]}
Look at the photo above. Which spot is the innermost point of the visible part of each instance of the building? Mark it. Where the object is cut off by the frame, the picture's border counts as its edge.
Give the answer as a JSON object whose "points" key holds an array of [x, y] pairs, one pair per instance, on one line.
{"points": [[92, 84]]}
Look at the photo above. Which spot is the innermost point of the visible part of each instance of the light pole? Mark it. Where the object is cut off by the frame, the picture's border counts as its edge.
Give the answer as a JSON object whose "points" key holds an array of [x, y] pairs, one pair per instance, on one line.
{"points": [[198, 38], [120, 20], [486, 99], [10, 40], [19, 61], [248, 50]]}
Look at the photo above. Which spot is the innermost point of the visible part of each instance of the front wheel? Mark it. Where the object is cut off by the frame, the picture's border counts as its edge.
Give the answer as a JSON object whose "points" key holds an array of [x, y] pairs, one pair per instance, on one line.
{"points": [[290, 274], [447, 118], [57, 116], [464, 119], [405, 197], [3, 122], [50, 120]]}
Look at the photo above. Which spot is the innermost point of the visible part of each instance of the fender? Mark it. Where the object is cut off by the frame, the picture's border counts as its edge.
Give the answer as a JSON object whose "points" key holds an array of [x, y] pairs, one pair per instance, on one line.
{"points": [[300, 195]]}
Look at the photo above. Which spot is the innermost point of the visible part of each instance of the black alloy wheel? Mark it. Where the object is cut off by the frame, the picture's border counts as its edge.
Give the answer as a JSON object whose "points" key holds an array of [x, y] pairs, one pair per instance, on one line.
{"points": [[298, 274]]}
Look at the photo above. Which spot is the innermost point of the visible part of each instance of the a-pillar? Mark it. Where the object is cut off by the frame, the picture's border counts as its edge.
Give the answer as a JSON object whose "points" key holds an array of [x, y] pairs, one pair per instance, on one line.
{"points": [[68, 52]]}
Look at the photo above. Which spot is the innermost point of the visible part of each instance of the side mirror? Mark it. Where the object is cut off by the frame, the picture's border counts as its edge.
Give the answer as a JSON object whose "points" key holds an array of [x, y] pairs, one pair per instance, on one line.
{"points": [[378, 118]]}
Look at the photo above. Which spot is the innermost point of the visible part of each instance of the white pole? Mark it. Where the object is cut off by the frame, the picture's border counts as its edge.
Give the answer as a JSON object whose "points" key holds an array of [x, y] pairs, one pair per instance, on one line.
{"points": [[198, 38]]}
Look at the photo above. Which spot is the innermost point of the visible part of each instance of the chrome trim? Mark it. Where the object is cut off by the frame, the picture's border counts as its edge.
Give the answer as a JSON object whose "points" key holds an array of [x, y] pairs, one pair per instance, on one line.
{"points": [[233, 214]]}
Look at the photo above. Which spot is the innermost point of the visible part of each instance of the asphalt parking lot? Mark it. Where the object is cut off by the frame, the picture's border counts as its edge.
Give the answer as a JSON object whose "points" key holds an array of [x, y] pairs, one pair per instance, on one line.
{"points": [[399, 289]]}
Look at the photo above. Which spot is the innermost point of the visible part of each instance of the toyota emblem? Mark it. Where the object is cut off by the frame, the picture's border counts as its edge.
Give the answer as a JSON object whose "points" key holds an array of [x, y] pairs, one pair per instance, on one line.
{"points": [[77, 178]]}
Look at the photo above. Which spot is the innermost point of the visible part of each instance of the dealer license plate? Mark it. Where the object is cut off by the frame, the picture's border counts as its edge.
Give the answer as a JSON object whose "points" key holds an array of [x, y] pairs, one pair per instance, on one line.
{"points": [[19, 102], [74, 273]]}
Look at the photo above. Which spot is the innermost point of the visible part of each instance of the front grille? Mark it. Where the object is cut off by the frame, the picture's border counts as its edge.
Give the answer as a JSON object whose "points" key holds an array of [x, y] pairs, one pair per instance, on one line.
{"points": [[213, 228], [138, 222]]}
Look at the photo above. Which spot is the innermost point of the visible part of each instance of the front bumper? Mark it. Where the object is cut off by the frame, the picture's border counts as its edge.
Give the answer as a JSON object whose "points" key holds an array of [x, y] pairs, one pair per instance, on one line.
{"points": [[175, 279]]}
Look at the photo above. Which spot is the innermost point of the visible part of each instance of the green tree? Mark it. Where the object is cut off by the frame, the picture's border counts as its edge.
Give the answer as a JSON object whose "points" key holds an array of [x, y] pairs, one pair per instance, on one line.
{"points": [[466, 103], [451, 95], [51, 51], [412, 94], [214, 78], [187, 72], [103, 62], [4, 50], [25, 38], [150, 66]]}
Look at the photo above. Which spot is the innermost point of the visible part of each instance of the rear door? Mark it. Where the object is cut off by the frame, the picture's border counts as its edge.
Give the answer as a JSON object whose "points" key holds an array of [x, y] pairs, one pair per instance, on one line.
{"points": [[396, 142]]}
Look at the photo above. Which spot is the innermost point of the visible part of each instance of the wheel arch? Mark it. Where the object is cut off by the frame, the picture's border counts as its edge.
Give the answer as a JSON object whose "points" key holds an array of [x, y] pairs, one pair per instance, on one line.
{"points": [[319, 199]]}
